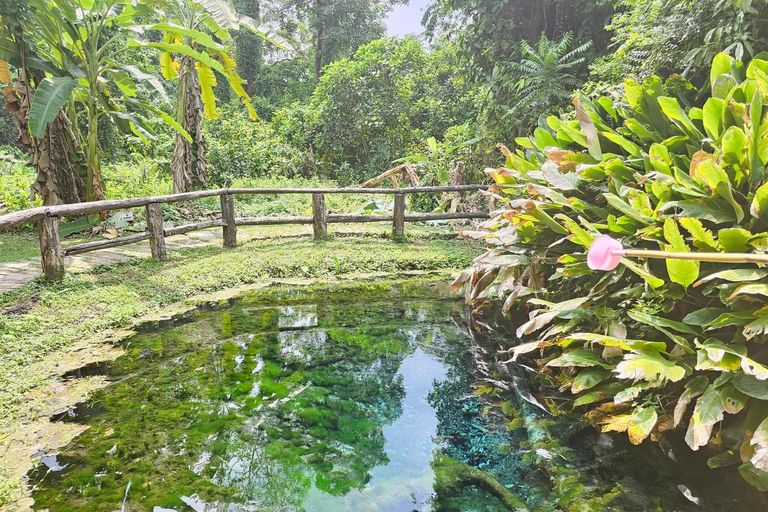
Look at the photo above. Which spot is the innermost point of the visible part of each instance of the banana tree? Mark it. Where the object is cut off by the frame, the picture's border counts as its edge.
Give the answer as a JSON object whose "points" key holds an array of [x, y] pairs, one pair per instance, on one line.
{"points": [[191, 53], [78, 44], [59, 173]]}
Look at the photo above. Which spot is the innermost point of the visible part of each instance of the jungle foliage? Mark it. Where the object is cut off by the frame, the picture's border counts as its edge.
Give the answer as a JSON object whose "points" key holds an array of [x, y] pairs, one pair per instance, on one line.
{"points": [[653, 345]]}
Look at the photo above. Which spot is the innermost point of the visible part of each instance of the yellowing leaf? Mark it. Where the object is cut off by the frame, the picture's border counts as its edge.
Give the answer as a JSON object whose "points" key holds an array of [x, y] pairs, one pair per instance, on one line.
{"points": [[207, 82], [618, 423], [5, 73], [169, 67], [650, 366], [709, 410], [640, 424]]}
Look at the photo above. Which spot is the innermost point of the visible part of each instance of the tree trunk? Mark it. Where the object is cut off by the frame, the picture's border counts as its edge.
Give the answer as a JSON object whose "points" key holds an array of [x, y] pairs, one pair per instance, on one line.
{"points": [[318, 42], [318, 55], [94, 190], [56, 156], [188, 165]]}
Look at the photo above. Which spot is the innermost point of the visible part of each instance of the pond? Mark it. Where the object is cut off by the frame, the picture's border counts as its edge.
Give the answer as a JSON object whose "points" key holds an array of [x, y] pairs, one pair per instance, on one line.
{"points": [[343, 400]]}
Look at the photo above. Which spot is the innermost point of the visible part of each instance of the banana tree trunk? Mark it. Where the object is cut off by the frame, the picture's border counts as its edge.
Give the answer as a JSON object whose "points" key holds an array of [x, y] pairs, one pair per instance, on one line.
{"points": [[188, 166], [56, 156]]}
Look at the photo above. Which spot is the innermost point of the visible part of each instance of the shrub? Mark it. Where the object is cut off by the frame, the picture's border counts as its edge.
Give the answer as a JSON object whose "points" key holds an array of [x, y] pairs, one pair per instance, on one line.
{"points": [[137, 177], [15, 179], [240, 148], [654, 344], [372, 109]]}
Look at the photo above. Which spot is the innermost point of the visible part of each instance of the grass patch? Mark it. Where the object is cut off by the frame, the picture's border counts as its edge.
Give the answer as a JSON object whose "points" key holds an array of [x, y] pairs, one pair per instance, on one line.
{"points": [[18, 246], [41, 318]]}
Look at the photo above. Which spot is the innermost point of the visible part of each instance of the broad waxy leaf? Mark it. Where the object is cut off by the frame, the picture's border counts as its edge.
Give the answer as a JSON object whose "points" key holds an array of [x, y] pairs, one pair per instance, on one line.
{"points": [[760, 444], [708, 411], [759, 208], [650, 366], [589, 378], [207, 81], [641, 424], [222, 12], [682, 272], [717, 179], [630, 393], [626, 209], [657, 321], [582, 357], [265, 32], [710, 209], [693, 388], [652, 280], [702, 237], [50, 96], [738, 275], [751, 386]]}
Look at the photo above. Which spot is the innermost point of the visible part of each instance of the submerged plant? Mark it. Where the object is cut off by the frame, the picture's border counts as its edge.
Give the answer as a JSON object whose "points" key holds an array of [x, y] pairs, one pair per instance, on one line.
{"points": [[653, 345]]}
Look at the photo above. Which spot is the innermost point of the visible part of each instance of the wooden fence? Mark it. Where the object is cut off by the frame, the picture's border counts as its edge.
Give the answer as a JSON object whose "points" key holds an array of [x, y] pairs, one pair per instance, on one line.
{"points": [[47, 218]]}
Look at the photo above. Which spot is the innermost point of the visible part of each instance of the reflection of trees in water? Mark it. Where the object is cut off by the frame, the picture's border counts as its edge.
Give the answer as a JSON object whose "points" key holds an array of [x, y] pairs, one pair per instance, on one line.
{"points": [[225, 421]]}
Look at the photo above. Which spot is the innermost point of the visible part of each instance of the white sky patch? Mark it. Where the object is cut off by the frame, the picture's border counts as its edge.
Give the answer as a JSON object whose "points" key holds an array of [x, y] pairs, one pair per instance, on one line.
{"points": [[406, 19]]}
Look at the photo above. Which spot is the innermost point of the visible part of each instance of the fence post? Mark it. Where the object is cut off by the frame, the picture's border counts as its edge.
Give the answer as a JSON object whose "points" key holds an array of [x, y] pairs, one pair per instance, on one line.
{"points": [[155, 228], [398, 221], [319, 216], [52, 255], [228, 219]]}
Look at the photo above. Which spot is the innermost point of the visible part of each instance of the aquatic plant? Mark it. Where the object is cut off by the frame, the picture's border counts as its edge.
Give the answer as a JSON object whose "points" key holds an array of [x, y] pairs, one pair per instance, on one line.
{"points": [[650, 346]]}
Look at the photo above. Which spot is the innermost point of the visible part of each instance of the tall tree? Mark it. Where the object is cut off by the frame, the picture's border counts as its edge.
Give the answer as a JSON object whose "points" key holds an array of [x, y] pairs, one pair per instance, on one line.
{"points": [[489, 32], [191, 53], [337, 28], [60, 172], [79, 43], [248, 46]]}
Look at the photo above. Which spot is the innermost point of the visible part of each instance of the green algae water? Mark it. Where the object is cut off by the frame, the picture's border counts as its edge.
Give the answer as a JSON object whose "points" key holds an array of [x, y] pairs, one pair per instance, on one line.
{"points": [[350, 399]]}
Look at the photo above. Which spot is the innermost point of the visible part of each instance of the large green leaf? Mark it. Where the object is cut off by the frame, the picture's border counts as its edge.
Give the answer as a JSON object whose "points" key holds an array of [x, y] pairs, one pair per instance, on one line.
{"points": [[652, 280], [265, 32], [626, 209], [736, 275], [751, 386], [708, 411], [713, 118], [674, 111], [720, 65], [183, 49], [581, 357], [756, 172], [657, 321], [702, 237], [641, 423], [710, 209], [650, 366], [50, 96], [200, 38], [222, 13], [759, 208], [693, 388], [589, 378], [682, 272], [717, 179], [704, 316], [167, 118], [734, 239]]}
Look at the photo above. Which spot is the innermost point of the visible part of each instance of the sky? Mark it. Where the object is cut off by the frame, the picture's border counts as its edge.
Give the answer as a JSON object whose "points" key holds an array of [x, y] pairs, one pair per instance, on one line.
{"points": [[406, 19]]}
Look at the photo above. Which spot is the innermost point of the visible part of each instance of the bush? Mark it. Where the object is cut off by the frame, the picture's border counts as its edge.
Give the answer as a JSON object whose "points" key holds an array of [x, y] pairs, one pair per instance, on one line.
{"points": [[137, 177], [656, 344], [15, 179], [373, 109], [240, 148]]}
